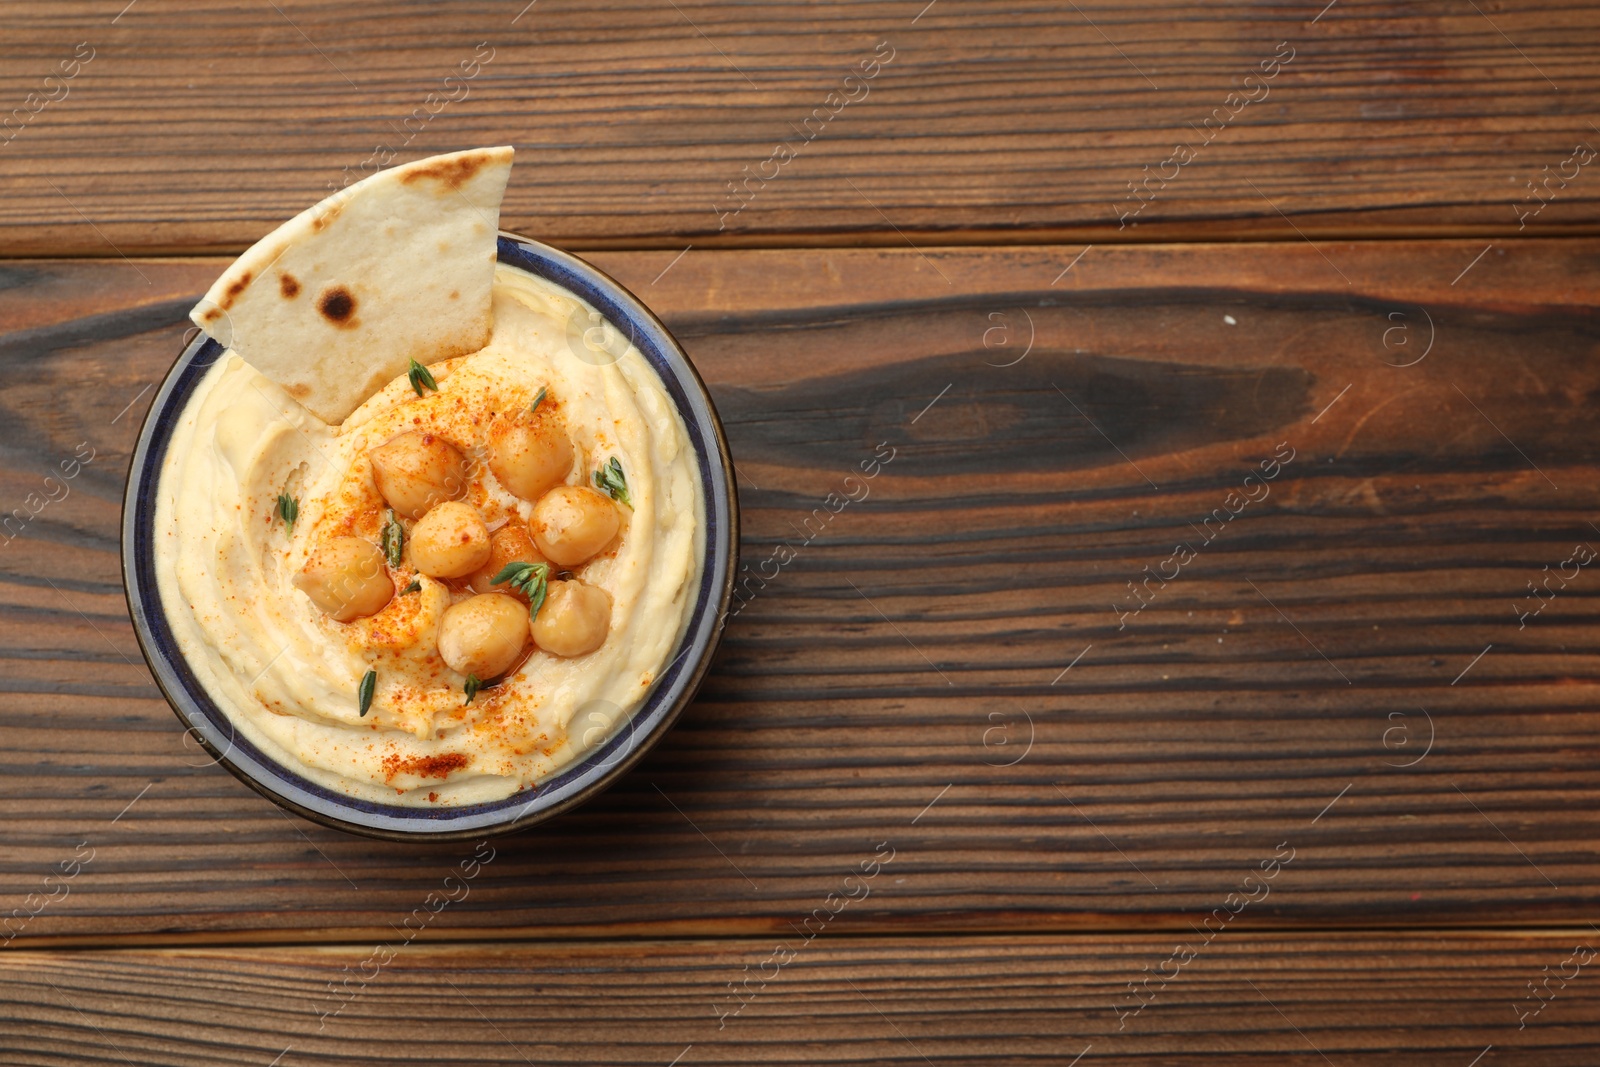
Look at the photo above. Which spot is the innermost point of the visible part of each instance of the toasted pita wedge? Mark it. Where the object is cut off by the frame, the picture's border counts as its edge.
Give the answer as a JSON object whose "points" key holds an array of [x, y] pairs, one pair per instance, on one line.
{"points": [[338, 300]]}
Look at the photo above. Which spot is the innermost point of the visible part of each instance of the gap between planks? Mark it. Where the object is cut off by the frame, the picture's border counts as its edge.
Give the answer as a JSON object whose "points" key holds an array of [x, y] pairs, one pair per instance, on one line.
{"points": [[928, 240], [354, 938]]}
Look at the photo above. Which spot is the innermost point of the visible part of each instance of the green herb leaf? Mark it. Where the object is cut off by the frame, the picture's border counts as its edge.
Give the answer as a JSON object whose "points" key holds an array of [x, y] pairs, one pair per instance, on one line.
{"points": [[288, 509], [412, 588], [369, 683], [471, 688], [530, 579], [420, 376], [394, 539], [611, 481], [538, 400]]}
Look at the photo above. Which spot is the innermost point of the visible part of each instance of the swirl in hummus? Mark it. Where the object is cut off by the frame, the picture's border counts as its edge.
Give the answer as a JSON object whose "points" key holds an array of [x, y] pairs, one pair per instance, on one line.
{"points": [[303, 565]]}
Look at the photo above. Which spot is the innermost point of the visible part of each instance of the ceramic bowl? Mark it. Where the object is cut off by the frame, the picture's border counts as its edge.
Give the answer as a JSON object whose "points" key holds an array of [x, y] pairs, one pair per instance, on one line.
{"points": [[578, 780]]}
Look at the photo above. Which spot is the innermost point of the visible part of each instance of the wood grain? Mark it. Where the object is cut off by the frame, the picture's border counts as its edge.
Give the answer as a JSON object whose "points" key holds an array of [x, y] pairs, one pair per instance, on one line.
{"points": [[200, 128], [941, 669], [1304, 1001]]}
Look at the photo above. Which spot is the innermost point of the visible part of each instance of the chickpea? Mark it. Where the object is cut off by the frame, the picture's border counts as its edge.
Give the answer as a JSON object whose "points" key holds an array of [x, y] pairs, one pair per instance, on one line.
{"points": [[530, 454], [510, 544], [571, 523], [574, 620], [484, 636], [450, 540], [417, 470], [346, 579]]}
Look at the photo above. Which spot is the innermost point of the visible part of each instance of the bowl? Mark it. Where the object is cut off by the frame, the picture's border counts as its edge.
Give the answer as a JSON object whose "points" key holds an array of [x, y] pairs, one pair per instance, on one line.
{"points": [[575, 782]]}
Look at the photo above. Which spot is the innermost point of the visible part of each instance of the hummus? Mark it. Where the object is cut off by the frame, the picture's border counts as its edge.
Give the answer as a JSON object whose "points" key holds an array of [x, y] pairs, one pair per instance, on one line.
{"points": [[290, 678]]}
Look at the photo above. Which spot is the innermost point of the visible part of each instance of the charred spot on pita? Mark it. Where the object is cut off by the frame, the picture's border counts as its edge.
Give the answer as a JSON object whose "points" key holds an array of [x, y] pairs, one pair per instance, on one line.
{"points": [[452, 172], [289, 286], [324, 218], [337, 305], [238, 286]]}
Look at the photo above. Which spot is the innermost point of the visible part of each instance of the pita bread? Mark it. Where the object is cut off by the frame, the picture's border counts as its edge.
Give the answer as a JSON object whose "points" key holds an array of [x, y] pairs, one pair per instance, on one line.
{"points": [[337, 301]]}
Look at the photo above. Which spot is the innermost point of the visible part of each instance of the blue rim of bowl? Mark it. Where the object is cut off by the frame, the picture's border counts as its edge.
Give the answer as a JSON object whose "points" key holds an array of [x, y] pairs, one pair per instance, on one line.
{"points": [[573, 784]]}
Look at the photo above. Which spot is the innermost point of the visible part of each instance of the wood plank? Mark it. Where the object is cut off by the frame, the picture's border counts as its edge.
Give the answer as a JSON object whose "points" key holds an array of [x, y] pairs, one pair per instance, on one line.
{"points": [[1304, 1001], [185, 129], [884, 686]]}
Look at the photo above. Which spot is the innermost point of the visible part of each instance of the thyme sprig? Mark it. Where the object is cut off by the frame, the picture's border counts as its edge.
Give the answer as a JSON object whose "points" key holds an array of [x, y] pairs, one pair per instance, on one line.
{"points": [[530, 579], [421, 376], [610, 480], [288, 509], [394, 538]]}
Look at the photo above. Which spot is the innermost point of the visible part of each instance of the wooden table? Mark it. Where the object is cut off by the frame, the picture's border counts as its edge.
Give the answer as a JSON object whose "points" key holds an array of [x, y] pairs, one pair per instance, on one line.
{"points": [[1210, 677]]}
